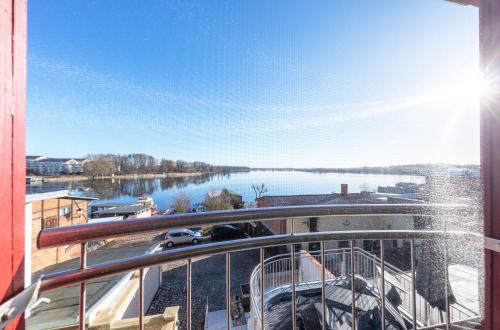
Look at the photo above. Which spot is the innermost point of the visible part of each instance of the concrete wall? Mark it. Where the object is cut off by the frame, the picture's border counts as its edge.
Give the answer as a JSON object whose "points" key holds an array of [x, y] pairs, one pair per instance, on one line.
{"points": [[151, 285], [310, 269], [121, 302]]}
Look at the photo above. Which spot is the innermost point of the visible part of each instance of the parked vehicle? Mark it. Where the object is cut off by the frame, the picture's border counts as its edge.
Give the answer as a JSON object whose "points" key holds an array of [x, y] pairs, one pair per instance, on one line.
{"points": [[226, 231], [182, 236]]}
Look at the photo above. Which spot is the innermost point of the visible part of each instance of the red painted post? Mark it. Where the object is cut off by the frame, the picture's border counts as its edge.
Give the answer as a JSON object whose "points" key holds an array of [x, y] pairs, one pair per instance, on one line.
{"points": [[489, 17], [12, 148]]}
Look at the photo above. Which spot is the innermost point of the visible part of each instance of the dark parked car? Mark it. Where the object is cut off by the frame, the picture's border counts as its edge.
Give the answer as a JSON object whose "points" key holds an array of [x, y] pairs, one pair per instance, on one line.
{"points": [[226, 231]]}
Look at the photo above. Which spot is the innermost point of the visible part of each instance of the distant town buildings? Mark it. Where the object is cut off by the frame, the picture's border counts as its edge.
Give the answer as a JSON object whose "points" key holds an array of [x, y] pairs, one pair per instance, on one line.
{"points": [[52, 166]]}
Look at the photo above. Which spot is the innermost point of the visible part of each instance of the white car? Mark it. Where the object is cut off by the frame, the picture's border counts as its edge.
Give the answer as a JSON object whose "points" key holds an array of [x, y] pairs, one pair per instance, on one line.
{"points": [[182, 236]]}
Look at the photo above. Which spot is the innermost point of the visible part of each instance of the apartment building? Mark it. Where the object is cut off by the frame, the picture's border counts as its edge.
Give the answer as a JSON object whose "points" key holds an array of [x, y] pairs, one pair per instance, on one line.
{"points": [[51, 166]]}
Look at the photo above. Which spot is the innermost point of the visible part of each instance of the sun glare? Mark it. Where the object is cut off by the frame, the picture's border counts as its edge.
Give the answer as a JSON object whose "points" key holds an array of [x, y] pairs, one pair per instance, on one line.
{"points": [[475, 88]]}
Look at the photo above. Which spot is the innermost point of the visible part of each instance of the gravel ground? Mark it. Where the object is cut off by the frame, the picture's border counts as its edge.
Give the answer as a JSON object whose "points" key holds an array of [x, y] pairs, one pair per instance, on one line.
{"points": [[208, 282]]}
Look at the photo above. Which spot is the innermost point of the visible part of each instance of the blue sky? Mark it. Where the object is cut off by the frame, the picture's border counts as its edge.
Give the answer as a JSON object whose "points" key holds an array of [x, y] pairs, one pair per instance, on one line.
{"points": [[259, 83]]}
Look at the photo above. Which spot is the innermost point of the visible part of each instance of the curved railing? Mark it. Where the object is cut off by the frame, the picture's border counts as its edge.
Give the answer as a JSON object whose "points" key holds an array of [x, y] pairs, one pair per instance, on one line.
{"points": [[277, 277], [84, 233]]}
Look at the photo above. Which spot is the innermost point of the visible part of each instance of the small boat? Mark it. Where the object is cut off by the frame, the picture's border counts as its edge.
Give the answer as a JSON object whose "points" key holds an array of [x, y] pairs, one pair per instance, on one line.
{"points": [[147, 201]]}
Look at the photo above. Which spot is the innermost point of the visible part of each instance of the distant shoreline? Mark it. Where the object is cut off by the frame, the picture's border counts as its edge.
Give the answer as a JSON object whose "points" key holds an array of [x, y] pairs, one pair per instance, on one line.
{"points": [[125, 176], [413, 170]]}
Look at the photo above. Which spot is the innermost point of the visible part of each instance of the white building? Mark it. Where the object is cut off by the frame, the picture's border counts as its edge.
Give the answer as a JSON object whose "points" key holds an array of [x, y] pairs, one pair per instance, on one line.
{"points": [[51, 166], [333, 222]]}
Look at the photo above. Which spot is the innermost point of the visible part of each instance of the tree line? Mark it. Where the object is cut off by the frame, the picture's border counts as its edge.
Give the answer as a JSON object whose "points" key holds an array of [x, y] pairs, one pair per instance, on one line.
{"points": [[116, 164]]}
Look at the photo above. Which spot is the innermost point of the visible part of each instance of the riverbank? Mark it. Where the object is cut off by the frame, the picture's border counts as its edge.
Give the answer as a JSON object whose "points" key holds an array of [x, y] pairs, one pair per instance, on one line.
{"points": [[127, 176]]}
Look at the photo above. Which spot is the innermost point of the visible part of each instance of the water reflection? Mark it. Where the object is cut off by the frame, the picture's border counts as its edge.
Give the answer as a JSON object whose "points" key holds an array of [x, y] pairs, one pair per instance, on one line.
{"points": [[114, 188], [163, 190]]}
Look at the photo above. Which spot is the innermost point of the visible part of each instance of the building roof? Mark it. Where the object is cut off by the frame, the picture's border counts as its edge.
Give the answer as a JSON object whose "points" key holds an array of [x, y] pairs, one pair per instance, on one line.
{"points": [[53, 195], [60, 160], [320, 199], [107, 204], [31, 157], [466, 2], [46, 195], [63, 308], [80, 198], [126, 209]]}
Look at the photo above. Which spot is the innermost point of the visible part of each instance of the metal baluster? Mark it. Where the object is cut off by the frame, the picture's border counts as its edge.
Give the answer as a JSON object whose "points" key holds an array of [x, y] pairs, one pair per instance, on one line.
{"points": [[413, 285], [353, 287], [262, 288], [426, 313], [188, 293], [382, 285], [446, 283], [344, 263], [294, 311], [323, 288], [141, 299], [274, 273], [83, 265], [366, 265], [228, 290]]}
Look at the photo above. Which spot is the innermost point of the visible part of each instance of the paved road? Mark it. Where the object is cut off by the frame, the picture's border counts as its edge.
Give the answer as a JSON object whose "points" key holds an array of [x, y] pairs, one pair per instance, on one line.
{"points": [[208, 283]]}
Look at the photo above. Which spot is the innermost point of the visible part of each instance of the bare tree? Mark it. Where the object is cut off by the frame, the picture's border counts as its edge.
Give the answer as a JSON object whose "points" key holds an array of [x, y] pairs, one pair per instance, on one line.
{"points": [[182, 203], [259, 190]]}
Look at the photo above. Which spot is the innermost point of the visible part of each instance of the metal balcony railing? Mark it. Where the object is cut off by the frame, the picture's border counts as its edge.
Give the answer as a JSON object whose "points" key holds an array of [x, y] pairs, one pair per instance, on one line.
{"points": [[84, 233], [278, 275]]}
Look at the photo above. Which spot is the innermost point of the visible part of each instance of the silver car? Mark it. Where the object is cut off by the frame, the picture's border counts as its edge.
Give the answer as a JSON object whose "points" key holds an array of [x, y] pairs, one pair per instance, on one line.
{"points": [[182, 236]]}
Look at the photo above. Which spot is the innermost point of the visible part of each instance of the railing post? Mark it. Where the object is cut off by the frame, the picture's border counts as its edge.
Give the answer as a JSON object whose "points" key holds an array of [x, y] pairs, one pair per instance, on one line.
{"points": [[228, 290], [294, 311], [83, 265], [323, 285], [413, 284], [353, 286], [446, 292], [262, 288], [188, 293], [141, 299], [382, 281]]}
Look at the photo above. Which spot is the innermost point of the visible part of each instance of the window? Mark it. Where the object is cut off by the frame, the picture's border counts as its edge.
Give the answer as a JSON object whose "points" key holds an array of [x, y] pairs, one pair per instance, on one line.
{"points": [[65, 211], [49, 222], [313, 224]]}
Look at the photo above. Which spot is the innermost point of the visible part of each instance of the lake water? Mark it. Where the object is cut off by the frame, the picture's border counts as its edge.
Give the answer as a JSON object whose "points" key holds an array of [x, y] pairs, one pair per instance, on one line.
{"points": [[164, 190]]}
